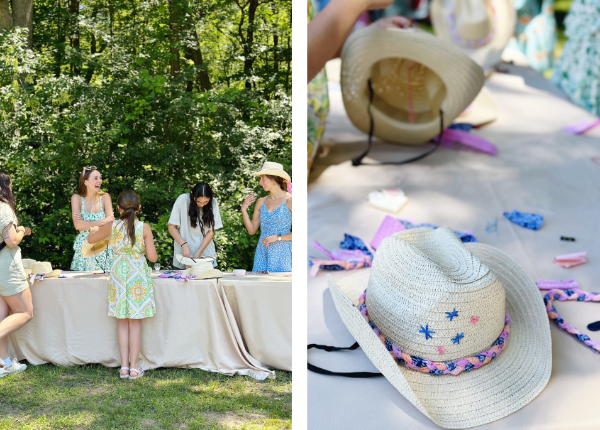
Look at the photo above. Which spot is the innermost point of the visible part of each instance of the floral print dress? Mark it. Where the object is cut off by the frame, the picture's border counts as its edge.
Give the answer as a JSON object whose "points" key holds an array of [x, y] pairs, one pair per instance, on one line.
{"points": [[101, 261], [277, 257], [578, 71], [130, 292], [318, 105]]}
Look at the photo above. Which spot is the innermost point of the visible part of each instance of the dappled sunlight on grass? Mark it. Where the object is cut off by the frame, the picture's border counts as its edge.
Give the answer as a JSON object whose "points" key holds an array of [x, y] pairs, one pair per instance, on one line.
{"points": [[51, 397]]}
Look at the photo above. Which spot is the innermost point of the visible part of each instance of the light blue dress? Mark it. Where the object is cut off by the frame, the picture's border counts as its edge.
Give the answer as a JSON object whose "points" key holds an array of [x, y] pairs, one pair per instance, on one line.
{"points": [[277, 257]]}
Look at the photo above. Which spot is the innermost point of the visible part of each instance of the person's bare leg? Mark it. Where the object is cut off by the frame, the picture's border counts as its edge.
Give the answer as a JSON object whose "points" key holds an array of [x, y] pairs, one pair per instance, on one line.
{"points": [[22, 312], [4, 313], [123, 336], [135, 342]]}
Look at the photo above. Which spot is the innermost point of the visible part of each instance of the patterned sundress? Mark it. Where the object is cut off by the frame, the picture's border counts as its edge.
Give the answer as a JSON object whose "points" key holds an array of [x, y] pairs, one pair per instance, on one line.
{"points": [[578, 71], [277, 257], [101, 261], [318, 105], [130, 292]]}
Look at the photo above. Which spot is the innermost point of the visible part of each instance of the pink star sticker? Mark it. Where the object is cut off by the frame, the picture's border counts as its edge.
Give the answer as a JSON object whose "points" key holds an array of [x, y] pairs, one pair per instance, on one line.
{"points": [[441, 349], [474, 320]]}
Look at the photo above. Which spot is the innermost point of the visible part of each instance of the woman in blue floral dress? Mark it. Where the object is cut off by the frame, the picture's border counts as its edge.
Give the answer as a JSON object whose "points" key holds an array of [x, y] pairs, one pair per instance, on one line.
{"points": [[273, 215], [90, 208]]}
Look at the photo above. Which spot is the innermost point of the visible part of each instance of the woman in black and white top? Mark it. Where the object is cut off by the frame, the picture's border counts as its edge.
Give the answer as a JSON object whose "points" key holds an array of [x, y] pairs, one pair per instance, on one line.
{"points": [[194, 219]]}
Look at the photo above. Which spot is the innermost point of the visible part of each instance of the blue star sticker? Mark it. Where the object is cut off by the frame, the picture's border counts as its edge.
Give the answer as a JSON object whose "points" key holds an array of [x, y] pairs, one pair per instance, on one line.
{"points": [[458, 338], [426, 331], [452, 314]]}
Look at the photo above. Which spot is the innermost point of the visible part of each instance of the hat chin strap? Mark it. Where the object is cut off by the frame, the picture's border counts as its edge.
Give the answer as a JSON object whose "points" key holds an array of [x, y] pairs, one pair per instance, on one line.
{"points": [[358, 160], [322, 371]]}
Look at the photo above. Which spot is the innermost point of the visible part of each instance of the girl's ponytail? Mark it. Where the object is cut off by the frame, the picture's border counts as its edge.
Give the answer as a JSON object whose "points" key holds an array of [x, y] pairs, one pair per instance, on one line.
{"points": [[129, 203]]}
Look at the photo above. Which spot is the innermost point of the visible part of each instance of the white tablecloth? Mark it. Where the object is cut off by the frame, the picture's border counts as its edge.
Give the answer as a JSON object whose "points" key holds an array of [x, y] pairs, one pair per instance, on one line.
{"points": [[193, 326], [538, 169]]}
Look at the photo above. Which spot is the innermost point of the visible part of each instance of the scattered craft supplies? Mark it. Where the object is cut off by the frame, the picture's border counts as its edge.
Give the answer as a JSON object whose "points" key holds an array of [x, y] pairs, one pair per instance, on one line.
{"points": [[354, 253], [525, 219], [177, 275], [390, 200], [581, 127], [392, 225], [563, 291], [570, 260]]}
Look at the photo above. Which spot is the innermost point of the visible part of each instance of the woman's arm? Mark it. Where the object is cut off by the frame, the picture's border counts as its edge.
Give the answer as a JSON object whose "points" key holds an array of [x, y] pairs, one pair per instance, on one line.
{"points": [[328, 31], [207, 238], [253, 224], [12, 236], [86, 225], [108, 207], [149, 242], [100, 233], [174, 232]]}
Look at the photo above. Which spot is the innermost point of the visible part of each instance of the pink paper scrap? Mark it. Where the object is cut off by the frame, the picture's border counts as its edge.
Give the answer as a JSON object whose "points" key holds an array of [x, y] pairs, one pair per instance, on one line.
{"points": [[388, 227], [581, 127], [570, 260], [450, 137]]}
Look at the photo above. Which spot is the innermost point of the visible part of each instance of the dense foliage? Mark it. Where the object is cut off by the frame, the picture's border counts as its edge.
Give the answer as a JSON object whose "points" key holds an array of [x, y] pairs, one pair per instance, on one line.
{"points": [[158, 95]]}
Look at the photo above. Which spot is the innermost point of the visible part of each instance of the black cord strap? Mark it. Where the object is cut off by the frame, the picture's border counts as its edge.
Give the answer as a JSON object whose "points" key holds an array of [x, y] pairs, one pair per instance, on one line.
{"points": [[358, 160], [322, 371]]}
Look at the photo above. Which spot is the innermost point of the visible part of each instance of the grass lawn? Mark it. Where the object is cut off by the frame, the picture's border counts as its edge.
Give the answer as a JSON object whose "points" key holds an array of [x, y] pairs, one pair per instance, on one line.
{"points": [[93, 397]]}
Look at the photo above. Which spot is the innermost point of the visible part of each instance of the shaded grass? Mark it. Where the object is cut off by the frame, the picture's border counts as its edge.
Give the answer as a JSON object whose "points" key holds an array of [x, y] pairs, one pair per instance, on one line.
{"points": [[93, 397]]}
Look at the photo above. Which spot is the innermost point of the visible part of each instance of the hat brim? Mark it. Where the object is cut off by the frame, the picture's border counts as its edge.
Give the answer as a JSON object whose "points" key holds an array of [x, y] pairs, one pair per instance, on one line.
{"points": [[89, 250], [54, 274], [191, 262], [480, 396], [274, 172], [461, 76], [486, 55], [482, 111]]}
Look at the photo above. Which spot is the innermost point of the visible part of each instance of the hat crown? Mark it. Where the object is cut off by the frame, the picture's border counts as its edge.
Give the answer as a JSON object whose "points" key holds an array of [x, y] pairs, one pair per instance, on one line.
{"points": [[474, 19], [426, 291], [271, 165]]}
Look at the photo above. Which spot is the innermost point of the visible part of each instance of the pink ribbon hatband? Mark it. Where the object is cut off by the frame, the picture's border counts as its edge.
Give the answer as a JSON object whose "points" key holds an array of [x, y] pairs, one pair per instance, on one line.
{"points": [[552, 284], [570, 260], [289, 187]]}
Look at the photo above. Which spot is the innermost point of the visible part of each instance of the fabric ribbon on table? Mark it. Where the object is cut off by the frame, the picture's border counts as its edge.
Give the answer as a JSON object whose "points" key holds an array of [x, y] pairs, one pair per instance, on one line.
{"points": [[570, 260], [581, 127], [564, 291], [459, 134], [353, 254]]}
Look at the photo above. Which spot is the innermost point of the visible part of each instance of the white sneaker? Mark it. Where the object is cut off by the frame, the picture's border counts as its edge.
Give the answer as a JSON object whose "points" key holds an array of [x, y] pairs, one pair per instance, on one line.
{"points": [[3, 372], [14, 368]]}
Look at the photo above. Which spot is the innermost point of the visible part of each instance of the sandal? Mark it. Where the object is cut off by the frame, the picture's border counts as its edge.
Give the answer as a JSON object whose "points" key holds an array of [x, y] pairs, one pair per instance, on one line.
{"points": [[140, 373], [126, 376]]}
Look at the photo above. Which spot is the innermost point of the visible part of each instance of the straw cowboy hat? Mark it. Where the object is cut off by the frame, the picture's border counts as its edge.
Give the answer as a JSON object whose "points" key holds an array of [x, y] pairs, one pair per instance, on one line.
{"points": [[480, 28], [436, 306], [275, 169], [413, 74], [202, 268], [482, 111], [89, 250], [44, 268]]}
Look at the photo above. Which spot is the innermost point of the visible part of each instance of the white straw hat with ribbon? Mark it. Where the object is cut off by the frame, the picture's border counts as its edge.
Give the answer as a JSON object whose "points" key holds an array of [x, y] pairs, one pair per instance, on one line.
{"points": [[480, 28], [201, 268], [460, 330], [274, 169], [413, 75], [89, 250], [44, 268]]}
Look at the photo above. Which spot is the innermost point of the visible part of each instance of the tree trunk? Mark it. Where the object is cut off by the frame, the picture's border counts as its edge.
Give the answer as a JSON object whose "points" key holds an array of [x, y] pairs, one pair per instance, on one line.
{"points": [[175, 27], [75, 43], [22, 11], [248, 46], [6, 20], [195, 54], [275, 56]]}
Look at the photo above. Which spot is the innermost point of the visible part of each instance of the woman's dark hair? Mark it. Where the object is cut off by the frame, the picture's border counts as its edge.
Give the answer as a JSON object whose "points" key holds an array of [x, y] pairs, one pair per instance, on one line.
{"points": [[6, 194], [280, 181], [129, 203], [208, 218], [81, 188]]}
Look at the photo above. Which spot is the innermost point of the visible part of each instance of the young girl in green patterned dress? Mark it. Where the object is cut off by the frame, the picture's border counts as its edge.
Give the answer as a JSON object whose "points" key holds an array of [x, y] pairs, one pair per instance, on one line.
{"points": [[130, 293]]}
